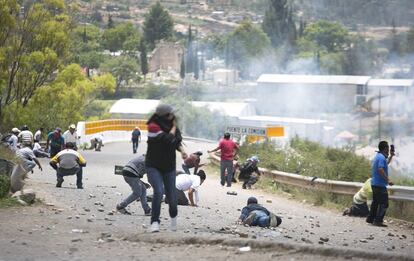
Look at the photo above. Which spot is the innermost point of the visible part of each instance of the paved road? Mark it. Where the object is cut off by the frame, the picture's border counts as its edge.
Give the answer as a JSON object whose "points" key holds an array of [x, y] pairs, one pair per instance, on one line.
{"points": [[58, 231]]}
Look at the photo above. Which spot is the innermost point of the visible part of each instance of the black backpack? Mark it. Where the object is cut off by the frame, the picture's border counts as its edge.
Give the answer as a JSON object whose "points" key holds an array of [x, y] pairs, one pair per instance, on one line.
{"points": [[6, 139]]}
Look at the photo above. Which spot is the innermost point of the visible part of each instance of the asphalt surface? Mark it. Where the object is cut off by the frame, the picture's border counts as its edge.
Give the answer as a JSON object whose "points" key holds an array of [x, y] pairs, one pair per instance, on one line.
{"points": [[74, 224]]}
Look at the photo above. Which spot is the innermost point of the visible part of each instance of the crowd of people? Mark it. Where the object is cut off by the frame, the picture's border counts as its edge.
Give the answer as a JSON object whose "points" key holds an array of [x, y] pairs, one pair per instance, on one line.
{"points": [[171, 185]]}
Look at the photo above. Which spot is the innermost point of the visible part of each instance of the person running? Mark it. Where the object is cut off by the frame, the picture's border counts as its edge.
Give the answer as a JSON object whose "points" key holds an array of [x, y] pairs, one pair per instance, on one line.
{"points": [[68, 162], [360, 202], [191, 184], [256, 215], [135, 138], [56, 141], [71, 136], [26, 136], [133, 171], [164, 138], [379, 182], [193, 161], [228, 150], [246, 172]]}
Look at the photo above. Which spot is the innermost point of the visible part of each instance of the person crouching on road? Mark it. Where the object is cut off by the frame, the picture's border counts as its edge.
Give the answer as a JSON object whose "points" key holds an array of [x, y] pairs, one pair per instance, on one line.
{"points": [[193, 161], [27, 163], [246, 172], [190, 183], [68, 162], [256, 215], [164, 138], [379, 184], [133, 171], [360, 202]]}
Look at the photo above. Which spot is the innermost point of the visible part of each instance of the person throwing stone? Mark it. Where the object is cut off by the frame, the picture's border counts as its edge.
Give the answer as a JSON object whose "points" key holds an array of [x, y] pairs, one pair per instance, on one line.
{"points": [[228, 150], [164, 138]]}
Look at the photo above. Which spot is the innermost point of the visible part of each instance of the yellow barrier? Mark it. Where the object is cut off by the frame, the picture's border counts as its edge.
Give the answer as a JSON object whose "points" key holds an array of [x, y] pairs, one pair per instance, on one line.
{"points": [[275, 131], [93, 127]]}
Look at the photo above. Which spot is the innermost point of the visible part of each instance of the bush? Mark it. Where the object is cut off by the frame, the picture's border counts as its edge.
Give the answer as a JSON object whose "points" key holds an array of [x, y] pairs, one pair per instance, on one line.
{"points": [[311, 159], [4, 185]]}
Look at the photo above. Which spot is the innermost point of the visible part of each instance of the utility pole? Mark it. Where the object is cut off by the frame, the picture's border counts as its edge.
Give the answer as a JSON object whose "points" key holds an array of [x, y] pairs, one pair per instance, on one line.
{"points": [[379, 115]]}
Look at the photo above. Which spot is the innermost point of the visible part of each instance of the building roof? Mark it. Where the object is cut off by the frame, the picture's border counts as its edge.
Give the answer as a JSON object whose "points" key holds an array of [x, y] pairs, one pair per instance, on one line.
{"points": [[142, 107], [285, 120], [391, 82], [313, 79]]}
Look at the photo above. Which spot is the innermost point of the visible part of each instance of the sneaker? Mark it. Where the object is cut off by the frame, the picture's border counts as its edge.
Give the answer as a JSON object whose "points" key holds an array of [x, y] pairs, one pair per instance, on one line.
{"points": [[122, 210], [346, 212], [369, 220], [379, 224], [250, 218], [275, 221], [59, 184], [173, 226], [155, 227], [148, 212]]}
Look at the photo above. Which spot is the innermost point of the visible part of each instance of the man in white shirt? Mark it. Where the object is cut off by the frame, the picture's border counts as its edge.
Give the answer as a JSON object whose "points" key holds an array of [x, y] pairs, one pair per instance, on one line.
{"points": [[13, 140], [26, 136], [71, 136], [190, 183], [38, 134]]}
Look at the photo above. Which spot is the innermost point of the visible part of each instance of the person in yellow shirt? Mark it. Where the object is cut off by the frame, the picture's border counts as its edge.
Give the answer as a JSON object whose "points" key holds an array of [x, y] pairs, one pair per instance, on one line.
{"points": [[360, 202]]}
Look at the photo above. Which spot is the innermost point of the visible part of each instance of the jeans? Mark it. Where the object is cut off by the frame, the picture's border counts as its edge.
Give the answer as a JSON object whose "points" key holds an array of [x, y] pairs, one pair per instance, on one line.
{"points": [[138, 192], [359, 210], [261, 219], [186, 169], [134, 145], [226, 165], [161, 182], [61, 172], [249, 182], [379, 204]]}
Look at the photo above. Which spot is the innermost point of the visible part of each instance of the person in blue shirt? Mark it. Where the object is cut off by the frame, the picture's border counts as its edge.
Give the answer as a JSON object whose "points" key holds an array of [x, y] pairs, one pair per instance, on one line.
{"points": [[379, 182]]}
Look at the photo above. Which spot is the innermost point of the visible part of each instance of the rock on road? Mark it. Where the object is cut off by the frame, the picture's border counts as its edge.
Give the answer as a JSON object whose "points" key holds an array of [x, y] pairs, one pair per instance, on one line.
{"points": [[74, 224]]}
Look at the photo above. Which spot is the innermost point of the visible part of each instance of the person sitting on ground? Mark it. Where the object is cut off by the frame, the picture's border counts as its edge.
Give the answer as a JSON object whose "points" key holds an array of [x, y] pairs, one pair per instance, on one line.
{"points": [[133, 171], [96, 142], [27, 163], [38, 151], [256, 215], [192, 161], [191, 184], [360, 202], [247, 170], [68, 162]]}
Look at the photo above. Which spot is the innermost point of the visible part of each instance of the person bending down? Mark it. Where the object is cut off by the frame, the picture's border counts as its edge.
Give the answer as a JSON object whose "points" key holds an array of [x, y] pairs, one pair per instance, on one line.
{"points": [[68, 162], [256, 215], [191, 184], [360, 202], [133, 171]]}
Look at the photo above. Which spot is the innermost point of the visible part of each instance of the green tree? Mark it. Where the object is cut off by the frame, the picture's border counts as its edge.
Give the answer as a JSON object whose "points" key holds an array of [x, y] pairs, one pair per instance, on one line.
{"points": [[123, 36], [33, 43], [278, 23], [328, 35], [123, 68], [144, 59], [245, 44], [158, 25]]}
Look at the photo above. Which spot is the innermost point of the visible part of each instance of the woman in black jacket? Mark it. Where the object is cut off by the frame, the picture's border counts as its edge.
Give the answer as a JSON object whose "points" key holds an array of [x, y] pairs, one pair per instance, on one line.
{"points": [[164, 138]]}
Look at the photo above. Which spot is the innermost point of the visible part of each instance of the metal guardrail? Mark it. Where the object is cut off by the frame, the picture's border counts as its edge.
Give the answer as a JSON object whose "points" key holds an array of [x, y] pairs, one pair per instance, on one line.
{"points": [[397, 193]]}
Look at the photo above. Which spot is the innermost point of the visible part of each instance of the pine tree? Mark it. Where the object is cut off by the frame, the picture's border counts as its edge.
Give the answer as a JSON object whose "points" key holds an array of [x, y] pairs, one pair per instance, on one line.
{"points": [[278, 22], [158, 25], [143, 57]]}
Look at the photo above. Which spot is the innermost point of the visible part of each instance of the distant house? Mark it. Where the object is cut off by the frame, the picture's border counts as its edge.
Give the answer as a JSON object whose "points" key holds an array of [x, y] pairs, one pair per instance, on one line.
{"points": [[166, 56], [287, 94]]}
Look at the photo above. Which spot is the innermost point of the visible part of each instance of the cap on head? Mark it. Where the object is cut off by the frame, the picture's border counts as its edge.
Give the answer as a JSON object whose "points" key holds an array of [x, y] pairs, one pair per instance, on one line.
{"points": [[15, 130], [164, 109], [72, 126], [227, 135], [58, 129], [252, 200]]}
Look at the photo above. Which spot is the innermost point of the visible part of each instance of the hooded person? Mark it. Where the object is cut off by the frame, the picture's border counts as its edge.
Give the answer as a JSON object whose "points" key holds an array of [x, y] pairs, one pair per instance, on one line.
{"points": [[164, 139], [56, 141]]}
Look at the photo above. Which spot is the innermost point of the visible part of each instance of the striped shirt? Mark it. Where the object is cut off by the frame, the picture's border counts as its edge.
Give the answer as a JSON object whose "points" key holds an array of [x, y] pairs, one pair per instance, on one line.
{"points": [[26, 137]]}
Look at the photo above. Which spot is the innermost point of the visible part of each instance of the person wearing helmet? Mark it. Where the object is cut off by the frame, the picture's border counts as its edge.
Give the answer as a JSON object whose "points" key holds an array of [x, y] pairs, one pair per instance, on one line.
{"points": [[192, 161], [246, 172], [256, 215]]}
